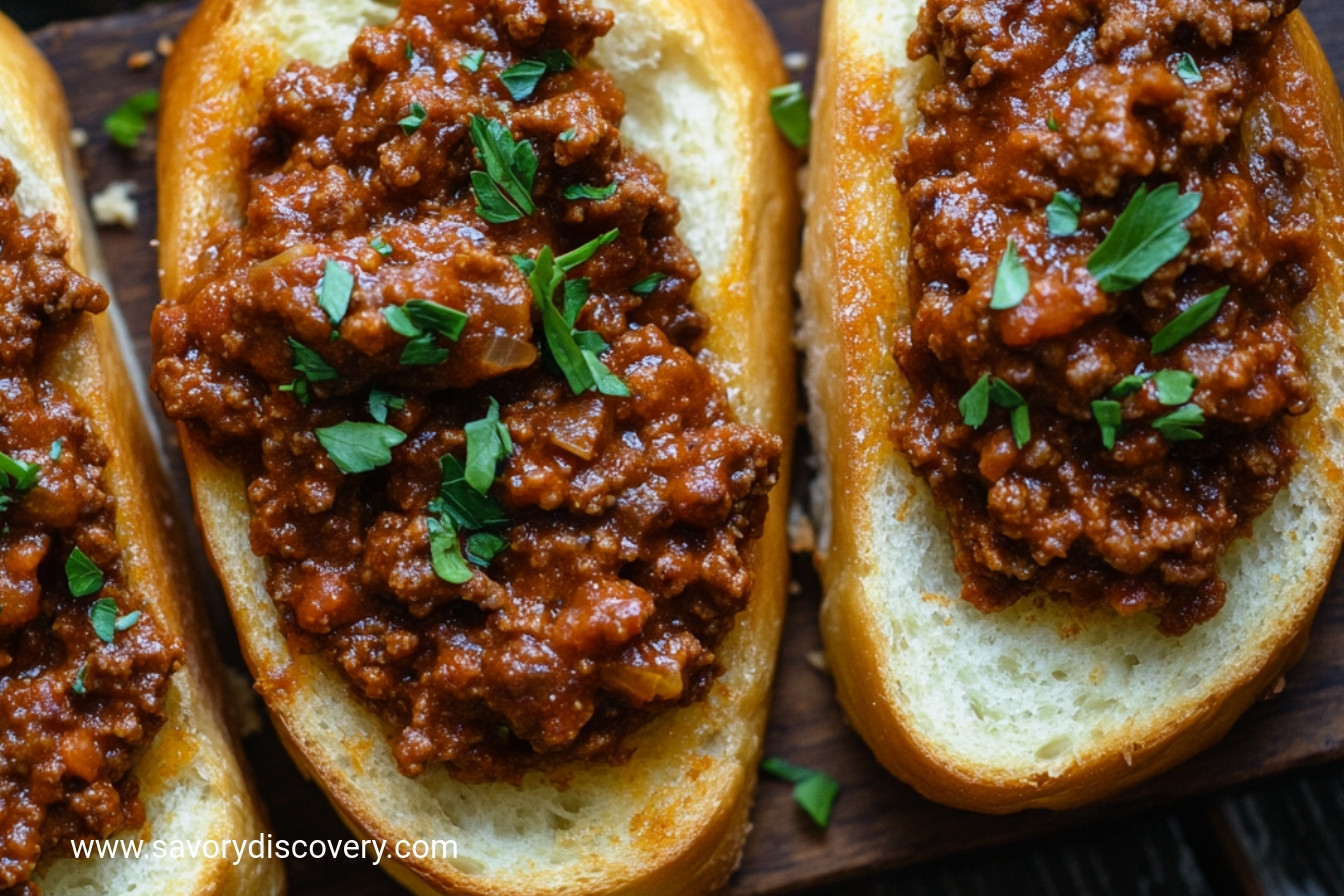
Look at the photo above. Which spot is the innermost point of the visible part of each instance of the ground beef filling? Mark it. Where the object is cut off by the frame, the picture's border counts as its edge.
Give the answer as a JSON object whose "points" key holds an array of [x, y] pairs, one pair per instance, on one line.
{"points": [[628, 518], [1088, 97], [75, 711]]}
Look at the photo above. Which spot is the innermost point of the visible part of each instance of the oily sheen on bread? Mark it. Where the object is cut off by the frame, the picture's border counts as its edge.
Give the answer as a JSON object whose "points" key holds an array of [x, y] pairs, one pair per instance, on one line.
{"points": [[190, 782], [1039, 705], [672, 819]]}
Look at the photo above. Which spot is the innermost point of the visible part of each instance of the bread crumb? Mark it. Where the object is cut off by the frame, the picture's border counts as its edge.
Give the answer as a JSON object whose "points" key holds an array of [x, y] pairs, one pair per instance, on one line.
{"points": [[1276, 688], [802, 535], [114, 205], [795, 588], [796, 60], [79, 138], [817, 660], [141, 59], [164, 46], [243, 701]]}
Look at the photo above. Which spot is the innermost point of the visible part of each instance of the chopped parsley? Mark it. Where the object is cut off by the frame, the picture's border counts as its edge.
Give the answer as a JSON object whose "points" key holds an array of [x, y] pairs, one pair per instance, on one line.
{"points": [[78, 686], [646, 286], [381, 246], [19, 475], [445, 554], [1051, 122], [1188, 70], [463, 509], [574, 352], [333, 293], [1188, 321], [522, 78], [56, 448], [1011, 281], [1147, 235], [788, 107], [814, 791], [310, 367], [423, 322], [1174, 387], [82, 574], [488, 443], [471, 62], [1179, 425], [411, 123], [103, 615], [1130, 384], [1108, 417], [504, 189], [359, 447], [974, 406], [128, 122], [380, 402], [1061, 215], [582, 191], [125, 622]]}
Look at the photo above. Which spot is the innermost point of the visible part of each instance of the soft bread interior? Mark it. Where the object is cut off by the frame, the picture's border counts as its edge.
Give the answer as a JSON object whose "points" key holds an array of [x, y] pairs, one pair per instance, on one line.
{"points": [[1039, 704], [673, 818]]}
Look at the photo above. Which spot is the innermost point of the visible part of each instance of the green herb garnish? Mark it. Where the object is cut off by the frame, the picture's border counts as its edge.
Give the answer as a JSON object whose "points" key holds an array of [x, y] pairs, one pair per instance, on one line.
{"points": [[483, 547], [814, 791], [445, 555], [310, 364], [464, 505], [103, 615], [1108, 417], [359, 447], [488, 443], [567, 135], [974, 406], [788, 107], [504, 189], [1147, 235], [127, 122], [1188, 69], [1129, 385], [381, 246], [646, 286], [56, 448], [82, 575], [78, 686], [1011, 281], [422, 322], [1061, 215], [462, 509], [333, 293], [125, 622], [1188, 321], [1178, 426], [409, 50], [380, 402], [522, 78], [1174, 386], [1051, 122], [19, 475], [471, 62], [411, 123], [582, 191]]}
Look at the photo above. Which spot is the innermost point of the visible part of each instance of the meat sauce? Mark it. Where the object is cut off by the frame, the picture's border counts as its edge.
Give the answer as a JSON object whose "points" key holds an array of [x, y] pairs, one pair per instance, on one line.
{"points": [[76, 707], [1135, 463], [588, 585]]}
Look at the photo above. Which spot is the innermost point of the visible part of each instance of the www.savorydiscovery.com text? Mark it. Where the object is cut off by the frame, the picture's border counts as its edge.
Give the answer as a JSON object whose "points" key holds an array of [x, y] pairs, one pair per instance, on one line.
{"points": [[265, 846]]}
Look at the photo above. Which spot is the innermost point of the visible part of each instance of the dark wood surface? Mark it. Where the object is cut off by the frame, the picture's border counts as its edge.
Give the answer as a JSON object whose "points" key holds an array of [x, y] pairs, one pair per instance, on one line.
{"points": [[878, 824]]}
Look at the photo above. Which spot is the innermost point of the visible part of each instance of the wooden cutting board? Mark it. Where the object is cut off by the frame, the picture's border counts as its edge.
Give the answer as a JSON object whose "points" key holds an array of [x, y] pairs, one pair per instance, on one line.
{"points": [[878, 823]]}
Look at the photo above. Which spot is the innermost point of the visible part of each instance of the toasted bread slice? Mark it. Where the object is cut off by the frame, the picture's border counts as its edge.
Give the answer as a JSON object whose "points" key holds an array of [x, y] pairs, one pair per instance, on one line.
{"points": [[1040, 704], [191, 783], [673, 819]]}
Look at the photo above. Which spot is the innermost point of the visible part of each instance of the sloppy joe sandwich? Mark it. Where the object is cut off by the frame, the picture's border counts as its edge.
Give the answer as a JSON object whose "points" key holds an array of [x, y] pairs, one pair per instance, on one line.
{"points": [[112, 727], [475, 324], [1071, 309]]}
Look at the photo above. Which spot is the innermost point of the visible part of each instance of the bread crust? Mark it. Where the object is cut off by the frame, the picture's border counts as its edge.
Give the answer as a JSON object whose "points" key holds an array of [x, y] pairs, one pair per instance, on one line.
{"points": [[673, 819], [191, 783], [878, 519]]}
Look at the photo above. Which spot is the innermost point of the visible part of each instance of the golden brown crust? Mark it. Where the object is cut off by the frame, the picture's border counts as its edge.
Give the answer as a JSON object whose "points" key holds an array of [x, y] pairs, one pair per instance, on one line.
{"points": [[672, 820], [855, 294], [194, 752]]}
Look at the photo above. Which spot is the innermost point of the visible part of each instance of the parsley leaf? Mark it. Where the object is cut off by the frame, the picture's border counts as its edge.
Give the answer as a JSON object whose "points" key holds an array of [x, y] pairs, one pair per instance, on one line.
{"points": [[1108, 417], [20, 475], [1061, 215], [467, 507], [128, 122], [82, 575], [1147, 235], [333, 293], [78, 686], [411, 123], [483, 547], [472, 61], [1020, 419], [788, 107], [381, 246], [310, 364], [1174, 386], [422, 321], [359, 447], [1129, 385], [435, 318], [504, 189], [56, 448], [1051, 122], [488, 443], [583, 191], [1203, 310], [381, 402], [522, 78], [1188, 70], [125, 622], [974, 405], [814, 791], [103, 615], [1178, 426], [1011, 281], [444, 553], [646, 286], [462, 509]]}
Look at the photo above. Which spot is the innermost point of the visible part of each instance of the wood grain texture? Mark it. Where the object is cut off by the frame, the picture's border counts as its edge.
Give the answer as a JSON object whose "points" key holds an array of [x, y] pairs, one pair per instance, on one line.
{"points": [[878, 822]]}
